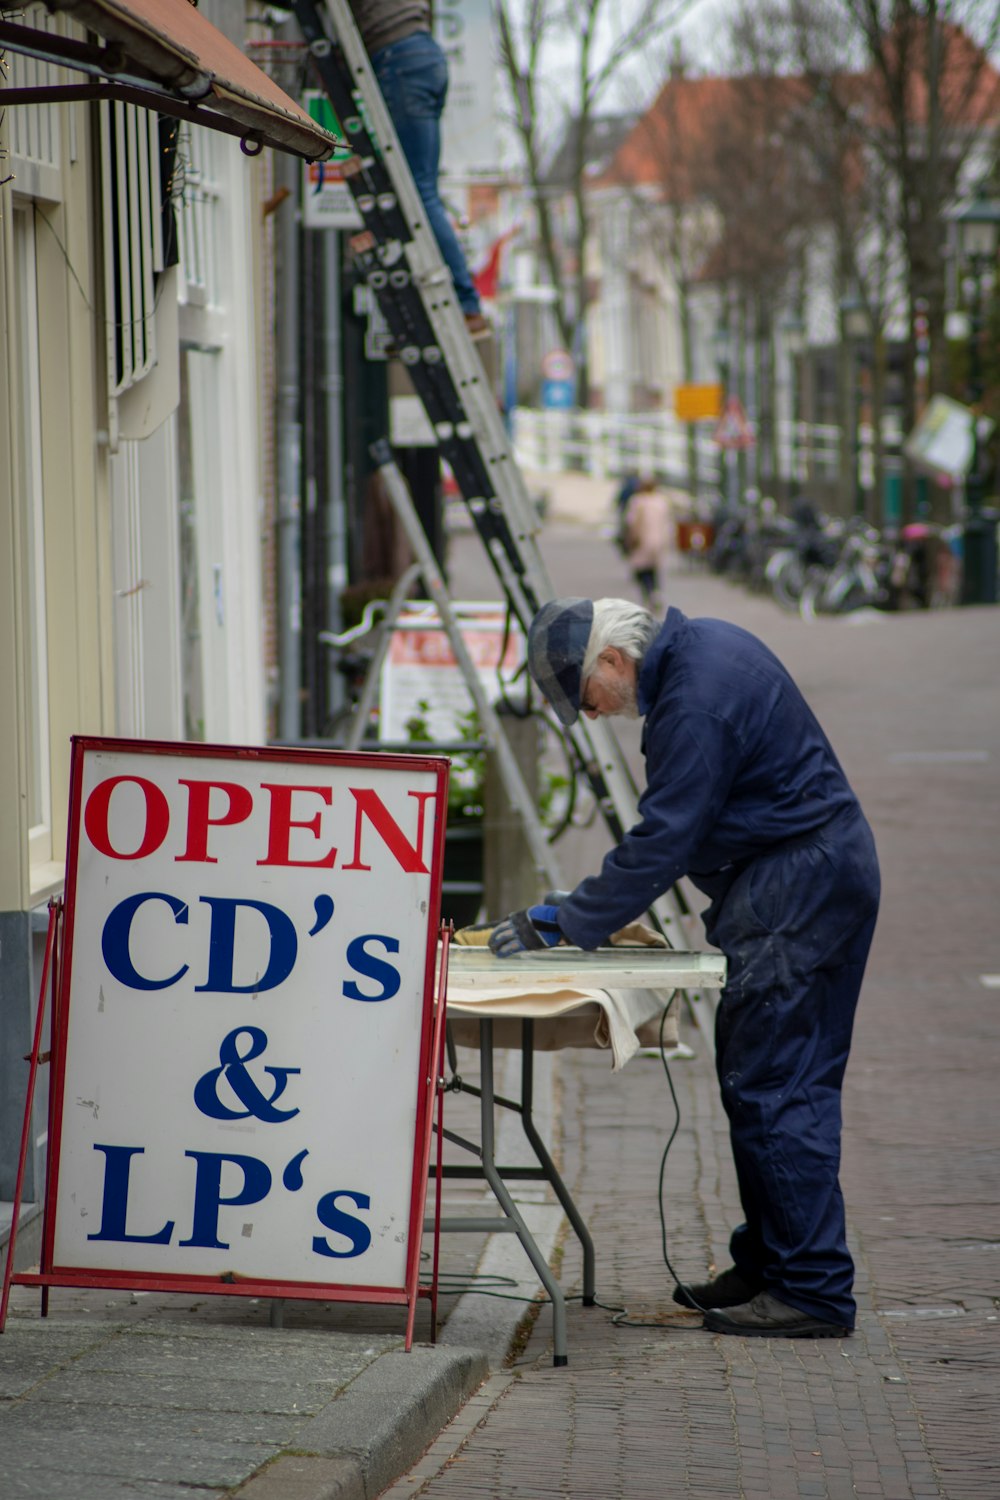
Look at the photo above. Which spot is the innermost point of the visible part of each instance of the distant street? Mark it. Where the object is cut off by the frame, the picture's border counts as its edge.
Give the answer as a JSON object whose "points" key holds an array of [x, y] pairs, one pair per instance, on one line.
{"points": [[907, 1406]]}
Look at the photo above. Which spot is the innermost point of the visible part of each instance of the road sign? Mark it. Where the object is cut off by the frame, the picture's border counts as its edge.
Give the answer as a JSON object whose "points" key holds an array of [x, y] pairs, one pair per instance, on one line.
{"points": [[734, 430], [558, 395], [697, 403], [557, 365]]}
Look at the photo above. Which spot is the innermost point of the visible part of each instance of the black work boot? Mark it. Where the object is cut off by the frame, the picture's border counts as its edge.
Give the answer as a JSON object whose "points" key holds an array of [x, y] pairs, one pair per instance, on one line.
{"points": [[764, 1317], [727, 1290]]}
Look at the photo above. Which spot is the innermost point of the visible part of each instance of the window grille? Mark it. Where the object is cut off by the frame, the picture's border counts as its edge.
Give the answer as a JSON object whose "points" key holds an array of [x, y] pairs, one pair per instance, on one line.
{"points": [[133, 251], [199, 208], [34, 128]]}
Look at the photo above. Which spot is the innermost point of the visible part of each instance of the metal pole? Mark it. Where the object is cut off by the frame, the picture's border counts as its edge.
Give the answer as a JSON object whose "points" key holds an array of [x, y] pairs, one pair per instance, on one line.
{"points": [[336, 520], [979, 544], [859, 498], [289, 452]]}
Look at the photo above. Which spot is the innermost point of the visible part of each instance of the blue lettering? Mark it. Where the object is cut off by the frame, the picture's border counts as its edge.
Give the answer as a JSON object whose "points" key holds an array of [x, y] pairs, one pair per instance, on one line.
{"points": [[352, 1229], [222, 944], [116, 934], [208, 1197], [371, 967], [117, 1165]]}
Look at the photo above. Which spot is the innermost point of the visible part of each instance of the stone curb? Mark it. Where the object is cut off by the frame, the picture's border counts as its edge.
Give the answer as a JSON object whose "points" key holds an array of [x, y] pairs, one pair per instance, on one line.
{"points": [[400, 1404]]}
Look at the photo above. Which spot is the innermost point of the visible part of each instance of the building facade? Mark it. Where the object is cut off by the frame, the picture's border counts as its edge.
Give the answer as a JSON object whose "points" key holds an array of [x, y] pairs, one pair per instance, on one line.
{"points": [[134, 450]]}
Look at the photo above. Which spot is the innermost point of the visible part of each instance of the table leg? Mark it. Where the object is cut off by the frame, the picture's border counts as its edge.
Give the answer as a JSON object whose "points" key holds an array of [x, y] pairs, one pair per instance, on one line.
{"points": [[551, 1172], [496, 1182]]}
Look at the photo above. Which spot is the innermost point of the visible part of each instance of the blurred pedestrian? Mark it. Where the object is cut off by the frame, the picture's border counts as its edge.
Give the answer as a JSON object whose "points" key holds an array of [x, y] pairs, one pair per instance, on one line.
{"points": [[627, 488], [412, 72], [647, 537]]}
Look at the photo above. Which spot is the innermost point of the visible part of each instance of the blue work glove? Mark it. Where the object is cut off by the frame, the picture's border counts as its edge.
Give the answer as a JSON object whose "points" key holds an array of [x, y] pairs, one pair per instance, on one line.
{"points": [[556, 898], [536, 927]]}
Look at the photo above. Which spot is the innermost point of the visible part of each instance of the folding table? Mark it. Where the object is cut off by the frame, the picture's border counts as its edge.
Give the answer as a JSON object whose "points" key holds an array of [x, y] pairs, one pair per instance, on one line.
{"points": [[531, 975]]}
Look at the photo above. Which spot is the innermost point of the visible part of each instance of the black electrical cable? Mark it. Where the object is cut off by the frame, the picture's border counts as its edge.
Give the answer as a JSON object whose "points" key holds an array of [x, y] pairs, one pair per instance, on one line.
{"points": [[522, 709], [623, 1320]]}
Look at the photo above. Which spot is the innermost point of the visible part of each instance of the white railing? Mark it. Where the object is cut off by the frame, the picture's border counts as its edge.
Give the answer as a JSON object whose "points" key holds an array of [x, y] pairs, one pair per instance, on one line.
{"points": [[607, 445]]}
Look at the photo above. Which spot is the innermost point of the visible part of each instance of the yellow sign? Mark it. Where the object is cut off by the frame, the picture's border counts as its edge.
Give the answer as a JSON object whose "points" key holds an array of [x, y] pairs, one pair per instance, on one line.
{"points": [[697, 403]]}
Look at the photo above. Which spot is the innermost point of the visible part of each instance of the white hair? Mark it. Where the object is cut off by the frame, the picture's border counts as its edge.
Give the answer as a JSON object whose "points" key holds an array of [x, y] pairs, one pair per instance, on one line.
{"points": [[619, 623]]}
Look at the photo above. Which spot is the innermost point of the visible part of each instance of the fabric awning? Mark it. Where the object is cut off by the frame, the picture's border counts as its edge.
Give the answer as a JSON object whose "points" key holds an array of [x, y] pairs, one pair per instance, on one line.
{"points": [[164, 55]]}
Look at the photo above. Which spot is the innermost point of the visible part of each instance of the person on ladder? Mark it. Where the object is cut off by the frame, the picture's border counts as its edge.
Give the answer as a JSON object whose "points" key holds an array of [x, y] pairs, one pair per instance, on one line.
{"points": [[412, 72]]}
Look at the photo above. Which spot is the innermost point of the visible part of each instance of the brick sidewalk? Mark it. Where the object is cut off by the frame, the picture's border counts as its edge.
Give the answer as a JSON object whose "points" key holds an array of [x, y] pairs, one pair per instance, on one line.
{"points": [[907, 1406]]}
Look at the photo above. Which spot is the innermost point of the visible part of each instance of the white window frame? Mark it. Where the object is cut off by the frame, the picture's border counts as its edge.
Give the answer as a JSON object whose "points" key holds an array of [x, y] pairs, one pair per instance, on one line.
{"points": [[35, 654], [217, 341]]}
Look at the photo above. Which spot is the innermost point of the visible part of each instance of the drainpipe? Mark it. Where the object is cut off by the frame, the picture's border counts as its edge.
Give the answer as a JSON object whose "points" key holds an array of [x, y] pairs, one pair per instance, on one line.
{"points": [[336, 529], [289, 454]]}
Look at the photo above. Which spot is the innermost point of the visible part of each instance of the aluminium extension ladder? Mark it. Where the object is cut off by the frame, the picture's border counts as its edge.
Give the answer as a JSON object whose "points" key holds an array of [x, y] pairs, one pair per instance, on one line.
{"points": [[398, 256]]}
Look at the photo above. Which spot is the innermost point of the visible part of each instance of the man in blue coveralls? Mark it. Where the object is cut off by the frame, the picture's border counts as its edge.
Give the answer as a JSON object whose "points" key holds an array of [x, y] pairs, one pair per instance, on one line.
{"points": [[745, 797]]}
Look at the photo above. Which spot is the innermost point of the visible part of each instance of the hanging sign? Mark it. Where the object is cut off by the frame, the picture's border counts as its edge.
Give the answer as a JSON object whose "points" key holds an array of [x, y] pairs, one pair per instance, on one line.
{"points": [[944, 439], [243, 1033]]}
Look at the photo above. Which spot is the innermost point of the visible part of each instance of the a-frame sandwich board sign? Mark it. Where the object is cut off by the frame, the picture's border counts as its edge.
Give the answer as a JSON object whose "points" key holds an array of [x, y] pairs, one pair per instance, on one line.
{"points": [[248, 1023]]}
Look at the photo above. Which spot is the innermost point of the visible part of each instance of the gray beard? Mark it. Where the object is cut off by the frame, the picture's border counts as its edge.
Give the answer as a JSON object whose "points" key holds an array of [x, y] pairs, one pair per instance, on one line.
{"points": [[627, 706]]}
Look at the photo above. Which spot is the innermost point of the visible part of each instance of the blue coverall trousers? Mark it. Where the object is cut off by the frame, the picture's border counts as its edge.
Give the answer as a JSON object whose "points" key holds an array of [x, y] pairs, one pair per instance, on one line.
{"points": [[795, 926]]}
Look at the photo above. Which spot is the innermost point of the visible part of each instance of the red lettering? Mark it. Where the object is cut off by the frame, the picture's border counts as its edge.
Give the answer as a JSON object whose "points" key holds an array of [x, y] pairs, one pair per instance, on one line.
{"points": [[95, 817], [282, 823], [371, 806], [199, 801]]}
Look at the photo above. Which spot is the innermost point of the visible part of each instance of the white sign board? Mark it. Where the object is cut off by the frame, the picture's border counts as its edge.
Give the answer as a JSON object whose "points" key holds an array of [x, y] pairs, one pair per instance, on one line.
{"points": [[944, 438], [327, 200], [464, 30], [245, 1016], [420, 667]]}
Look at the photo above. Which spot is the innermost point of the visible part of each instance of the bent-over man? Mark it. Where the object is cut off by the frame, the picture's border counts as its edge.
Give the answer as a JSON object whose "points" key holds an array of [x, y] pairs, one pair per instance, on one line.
{"points": [[745, 796]]}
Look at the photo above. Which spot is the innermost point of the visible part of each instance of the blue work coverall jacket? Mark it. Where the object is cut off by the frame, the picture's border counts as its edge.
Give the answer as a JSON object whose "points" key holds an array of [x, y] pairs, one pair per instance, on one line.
{"points": [[745, 796]]}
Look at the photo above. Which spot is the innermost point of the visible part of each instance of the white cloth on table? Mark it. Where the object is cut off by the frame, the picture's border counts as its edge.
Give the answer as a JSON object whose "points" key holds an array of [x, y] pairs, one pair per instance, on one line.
{"points": [[613, 1017]]}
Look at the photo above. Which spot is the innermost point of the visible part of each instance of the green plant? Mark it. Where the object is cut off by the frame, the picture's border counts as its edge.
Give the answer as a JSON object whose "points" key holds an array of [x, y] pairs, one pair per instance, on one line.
{"points": [[467, 782], [552, 796]]}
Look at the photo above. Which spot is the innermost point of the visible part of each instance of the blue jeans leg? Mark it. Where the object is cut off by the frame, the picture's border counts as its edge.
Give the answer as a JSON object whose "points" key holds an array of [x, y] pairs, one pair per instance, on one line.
{"points": [[413, 77]]}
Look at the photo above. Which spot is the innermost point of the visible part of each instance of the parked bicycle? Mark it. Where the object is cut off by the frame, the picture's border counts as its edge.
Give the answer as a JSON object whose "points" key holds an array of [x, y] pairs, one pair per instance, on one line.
{"points": [[859, 577]]}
